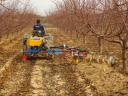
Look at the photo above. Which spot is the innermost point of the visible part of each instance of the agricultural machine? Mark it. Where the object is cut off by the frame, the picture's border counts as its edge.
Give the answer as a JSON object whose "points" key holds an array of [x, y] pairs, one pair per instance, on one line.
{"points": [[38, 46]]}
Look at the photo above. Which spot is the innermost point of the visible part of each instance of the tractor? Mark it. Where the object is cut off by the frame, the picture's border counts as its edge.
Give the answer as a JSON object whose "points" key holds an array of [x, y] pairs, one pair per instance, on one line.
{"points": [[35, 45]]}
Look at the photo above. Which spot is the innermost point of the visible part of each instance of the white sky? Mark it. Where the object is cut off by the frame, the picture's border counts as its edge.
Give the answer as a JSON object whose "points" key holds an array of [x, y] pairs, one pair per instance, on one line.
{"points": [[42, 6]]}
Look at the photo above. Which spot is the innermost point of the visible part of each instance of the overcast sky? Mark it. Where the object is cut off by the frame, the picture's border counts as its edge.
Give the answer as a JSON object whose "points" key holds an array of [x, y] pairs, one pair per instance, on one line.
{"points": [[42, 6]]}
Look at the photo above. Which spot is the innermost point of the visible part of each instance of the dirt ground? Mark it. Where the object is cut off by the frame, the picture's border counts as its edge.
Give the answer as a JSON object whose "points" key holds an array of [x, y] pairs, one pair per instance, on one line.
{"points": [[42, 77]]}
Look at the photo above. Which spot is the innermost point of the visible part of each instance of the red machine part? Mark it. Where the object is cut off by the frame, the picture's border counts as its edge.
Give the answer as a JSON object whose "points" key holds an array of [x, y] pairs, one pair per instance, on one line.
{"points": [[24, 58]]}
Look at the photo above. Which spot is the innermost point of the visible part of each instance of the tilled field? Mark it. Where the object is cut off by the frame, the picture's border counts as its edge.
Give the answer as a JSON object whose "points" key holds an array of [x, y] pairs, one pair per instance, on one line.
{"points": [[46, 78], [43, 77]]}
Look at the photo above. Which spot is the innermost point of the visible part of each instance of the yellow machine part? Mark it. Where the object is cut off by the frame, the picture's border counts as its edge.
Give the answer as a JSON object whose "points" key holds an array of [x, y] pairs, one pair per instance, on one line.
{"points": [[75, 60], [35, 41]]}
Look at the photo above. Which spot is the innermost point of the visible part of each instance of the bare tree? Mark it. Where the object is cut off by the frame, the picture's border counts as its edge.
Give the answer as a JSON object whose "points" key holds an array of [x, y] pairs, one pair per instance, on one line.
{"points": [[13, 18], [105, 20], [121, 22]]}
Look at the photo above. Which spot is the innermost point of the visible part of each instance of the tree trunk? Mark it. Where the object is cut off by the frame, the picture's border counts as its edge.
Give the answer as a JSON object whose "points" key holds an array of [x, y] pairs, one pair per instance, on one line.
{"points": [[77, 34], [0, 37], [124, 57], [100, 45]]}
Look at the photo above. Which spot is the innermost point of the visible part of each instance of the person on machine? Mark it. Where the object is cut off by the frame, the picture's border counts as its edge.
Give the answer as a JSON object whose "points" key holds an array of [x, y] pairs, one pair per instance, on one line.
{"points": [[38, 29]]}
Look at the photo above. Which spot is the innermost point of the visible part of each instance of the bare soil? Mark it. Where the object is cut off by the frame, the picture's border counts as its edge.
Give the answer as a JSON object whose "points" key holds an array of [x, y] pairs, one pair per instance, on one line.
{"points": [[42, 77]]}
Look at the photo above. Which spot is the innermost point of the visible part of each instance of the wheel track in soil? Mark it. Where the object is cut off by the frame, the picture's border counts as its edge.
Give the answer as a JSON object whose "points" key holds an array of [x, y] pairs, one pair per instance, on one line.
{"points": [[55, 79], [48, 78], [16, 79]]}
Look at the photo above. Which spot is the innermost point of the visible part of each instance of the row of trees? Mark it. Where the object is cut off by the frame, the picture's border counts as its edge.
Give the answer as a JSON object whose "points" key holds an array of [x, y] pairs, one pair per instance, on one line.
{"points": [[14, 16], [103, 19]]}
